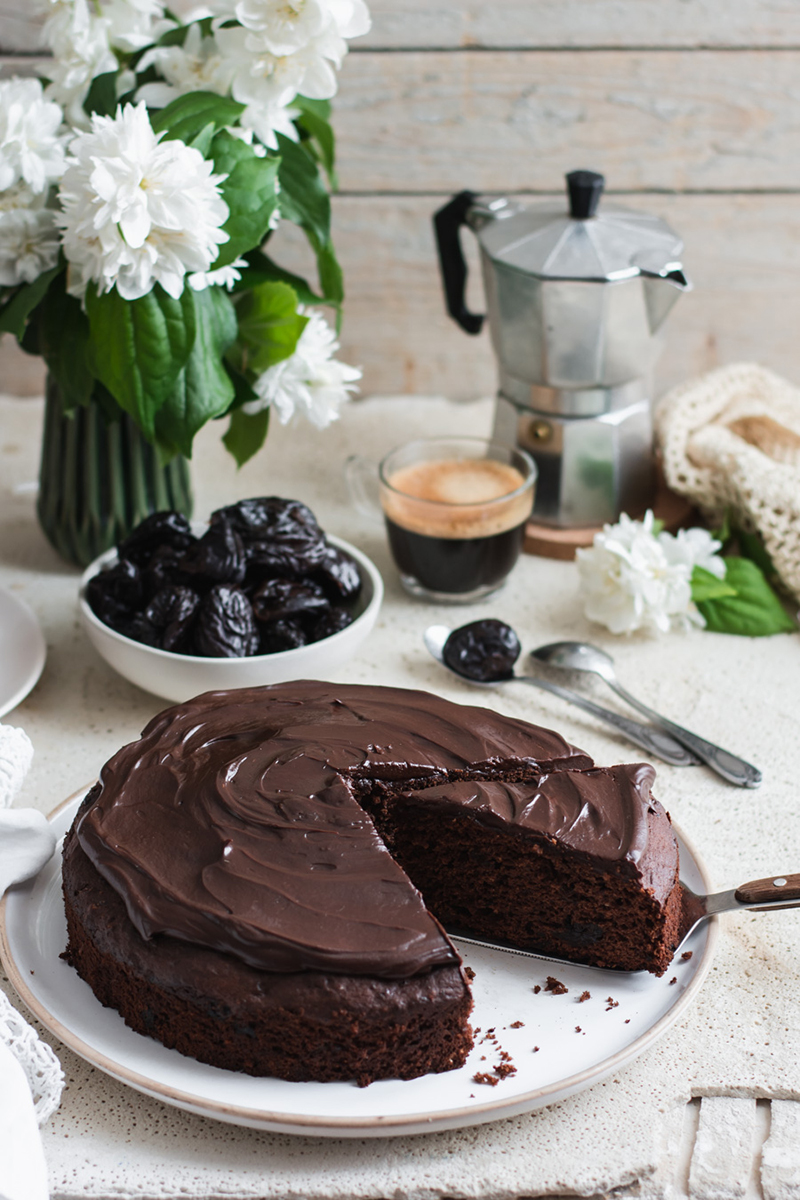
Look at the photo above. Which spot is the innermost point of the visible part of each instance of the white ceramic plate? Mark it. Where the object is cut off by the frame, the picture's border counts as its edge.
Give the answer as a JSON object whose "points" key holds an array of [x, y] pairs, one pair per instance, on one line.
{"points": [[178, 677], [33, 934], [22, 651]]}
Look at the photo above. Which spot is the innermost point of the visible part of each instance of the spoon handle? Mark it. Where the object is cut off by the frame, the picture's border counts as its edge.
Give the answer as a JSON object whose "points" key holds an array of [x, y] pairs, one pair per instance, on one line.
{"points": [[728, 765], [654, 741]]}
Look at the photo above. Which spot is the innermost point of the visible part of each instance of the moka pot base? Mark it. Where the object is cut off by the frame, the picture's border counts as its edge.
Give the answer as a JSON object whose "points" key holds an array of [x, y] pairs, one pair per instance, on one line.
{"points": [[549, 542]]}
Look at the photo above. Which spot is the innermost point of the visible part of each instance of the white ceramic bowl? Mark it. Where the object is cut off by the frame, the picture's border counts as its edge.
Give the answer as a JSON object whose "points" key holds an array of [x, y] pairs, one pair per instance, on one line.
{"points": [[180, 676]]}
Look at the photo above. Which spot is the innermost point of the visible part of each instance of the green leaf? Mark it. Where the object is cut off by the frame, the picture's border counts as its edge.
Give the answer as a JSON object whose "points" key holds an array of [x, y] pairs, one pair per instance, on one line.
{"points": [[15, 313], [203, 389], [755, 610], [102, 95], [313, 120], [138, 348], [330, 273], [706, 586], [269, 325], [263, 270], [752, 547], [244, 393], [304, 198], [64, 344], [246, 434], [188, 116], [250, 191], [204, 138]]}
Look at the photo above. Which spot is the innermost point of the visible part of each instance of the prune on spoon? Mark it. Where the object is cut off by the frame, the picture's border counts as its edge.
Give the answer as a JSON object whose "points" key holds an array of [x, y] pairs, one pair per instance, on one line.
{"points": [[226, 627], [330, 622], [339, 574], [115, 594], [172, 611], [218, 557], [159, 529], [278, 598], [285, 634], [483, 650]]}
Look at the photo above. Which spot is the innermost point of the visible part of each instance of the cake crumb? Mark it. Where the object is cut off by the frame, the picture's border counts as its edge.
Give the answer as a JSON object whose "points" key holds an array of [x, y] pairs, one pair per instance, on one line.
{"points": [[687, 954], [674, 979], [627, 1020], [611, 1003], [555, 986], [536, 990], [470, 974], [504, 1069], [584, 996], [517, 1025], [535, 1049], [578, 1029], [485, 1077]]}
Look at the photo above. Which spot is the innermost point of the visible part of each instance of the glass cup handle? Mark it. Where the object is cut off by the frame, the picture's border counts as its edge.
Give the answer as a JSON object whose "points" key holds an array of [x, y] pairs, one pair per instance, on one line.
{"points": [[361, 477]]}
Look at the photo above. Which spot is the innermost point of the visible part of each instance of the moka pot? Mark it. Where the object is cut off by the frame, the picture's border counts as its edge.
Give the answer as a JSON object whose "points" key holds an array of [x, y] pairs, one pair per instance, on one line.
{"points": [[575, 296]]}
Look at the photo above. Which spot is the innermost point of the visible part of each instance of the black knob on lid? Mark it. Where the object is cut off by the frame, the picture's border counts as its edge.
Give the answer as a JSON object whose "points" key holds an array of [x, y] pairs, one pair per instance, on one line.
{"points": [[585, 190]]}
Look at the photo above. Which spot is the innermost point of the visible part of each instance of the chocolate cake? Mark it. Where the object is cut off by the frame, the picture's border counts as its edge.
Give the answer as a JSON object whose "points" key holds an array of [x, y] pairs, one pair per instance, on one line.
{"points": [[240, 882]]}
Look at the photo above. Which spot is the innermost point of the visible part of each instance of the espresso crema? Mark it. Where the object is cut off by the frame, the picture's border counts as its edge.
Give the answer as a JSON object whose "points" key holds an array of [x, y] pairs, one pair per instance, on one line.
{"points": [[456, 498]]}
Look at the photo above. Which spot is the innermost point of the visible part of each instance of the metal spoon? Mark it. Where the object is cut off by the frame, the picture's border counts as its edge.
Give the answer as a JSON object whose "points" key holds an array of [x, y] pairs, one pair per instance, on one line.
{"points": [[580, 656], [654, 741], [760, 895]]}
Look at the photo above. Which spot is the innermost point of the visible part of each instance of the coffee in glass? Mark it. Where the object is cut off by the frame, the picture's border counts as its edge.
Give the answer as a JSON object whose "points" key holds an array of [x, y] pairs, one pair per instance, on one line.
{"points": [[455, 512]]}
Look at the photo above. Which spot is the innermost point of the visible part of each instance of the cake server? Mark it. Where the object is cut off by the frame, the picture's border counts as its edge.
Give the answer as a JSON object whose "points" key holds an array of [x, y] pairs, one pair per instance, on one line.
{"points": [[653, 740], [760, 895], [580, 656]]}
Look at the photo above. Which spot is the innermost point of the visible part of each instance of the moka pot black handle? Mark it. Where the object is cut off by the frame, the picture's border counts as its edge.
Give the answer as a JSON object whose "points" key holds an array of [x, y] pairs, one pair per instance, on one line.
{"points": [[447, 224]]}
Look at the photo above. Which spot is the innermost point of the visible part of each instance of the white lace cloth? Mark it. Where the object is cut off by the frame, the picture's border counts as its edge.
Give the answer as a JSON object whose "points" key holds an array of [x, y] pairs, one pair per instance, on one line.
{"points": [[731, 440], [31, 1079]]}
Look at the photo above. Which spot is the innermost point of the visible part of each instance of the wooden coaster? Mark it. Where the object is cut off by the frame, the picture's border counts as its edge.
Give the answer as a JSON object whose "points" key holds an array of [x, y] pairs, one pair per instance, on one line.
{"points": [[549, 542]]}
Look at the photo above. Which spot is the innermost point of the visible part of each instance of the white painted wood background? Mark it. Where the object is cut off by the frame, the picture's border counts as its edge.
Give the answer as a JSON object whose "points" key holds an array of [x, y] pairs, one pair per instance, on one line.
{"points": [[690, 107]]}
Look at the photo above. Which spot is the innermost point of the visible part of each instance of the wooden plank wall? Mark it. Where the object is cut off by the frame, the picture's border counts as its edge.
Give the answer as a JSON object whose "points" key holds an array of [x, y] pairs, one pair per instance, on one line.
{"points": [[691, 108]]}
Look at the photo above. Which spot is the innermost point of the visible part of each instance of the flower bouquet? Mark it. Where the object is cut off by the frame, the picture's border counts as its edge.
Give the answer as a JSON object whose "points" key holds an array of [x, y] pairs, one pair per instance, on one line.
{"points": [[141, 185]]}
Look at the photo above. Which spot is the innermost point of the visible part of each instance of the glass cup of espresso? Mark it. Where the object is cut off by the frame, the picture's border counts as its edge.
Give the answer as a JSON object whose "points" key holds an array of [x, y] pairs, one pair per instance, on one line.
{"points": [[455, 511]]}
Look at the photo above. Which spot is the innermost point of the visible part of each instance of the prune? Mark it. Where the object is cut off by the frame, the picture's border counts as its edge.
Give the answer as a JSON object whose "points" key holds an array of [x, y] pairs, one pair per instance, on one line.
{"points": [[226, 627], [282, 635], [115, 594], [141, 630], [288, 558], [484, 650], [285, 598], [163, 570], [339, 574], [172, 612], [330, 622], [266, 516], [159, 529], [218, 557]]}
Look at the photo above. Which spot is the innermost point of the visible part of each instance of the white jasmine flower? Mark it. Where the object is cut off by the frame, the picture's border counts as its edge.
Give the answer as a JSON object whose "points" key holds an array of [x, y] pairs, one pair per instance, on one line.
{"points": [[137, 210], [31, 146], [134, 24], [196, 66], [310, 381], [629, 581], [29, 244], [223, 277], [285, 25], [351, 17], [694, 547], [78, 38]]}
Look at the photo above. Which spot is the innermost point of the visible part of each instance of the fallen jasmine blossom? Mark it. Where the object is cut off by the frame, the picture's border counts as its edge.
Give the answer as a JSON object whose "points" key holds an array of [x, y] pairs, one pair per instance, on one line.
{"points": [[634, 577]]}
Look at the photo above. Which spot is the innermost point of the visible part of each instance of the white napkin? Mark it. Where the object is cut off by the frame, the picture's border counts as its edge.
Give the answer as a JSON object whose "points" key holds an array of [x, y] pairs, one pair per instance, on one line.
{"points": [[28, 1066], [26, 839]]}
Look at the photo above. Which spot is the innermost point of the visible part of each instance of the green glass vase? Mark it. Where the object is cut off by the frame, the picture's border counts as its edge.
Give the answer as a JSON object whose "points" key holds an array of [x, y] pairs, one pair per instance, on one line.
{"points": [[99, 478]]}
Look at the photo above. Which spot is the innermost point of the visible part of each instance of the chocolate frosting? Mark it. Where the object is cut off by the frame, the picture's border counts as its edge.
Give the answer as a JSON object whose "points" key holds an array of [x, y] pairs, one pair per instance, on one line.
{"points": [[233, 822], [600, 812]]}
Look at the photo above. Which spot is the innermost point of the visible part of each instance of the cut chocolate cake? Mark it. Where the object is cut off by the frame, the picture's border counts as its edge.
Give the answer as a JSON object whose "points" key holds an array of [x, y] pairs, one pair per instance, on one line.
{"points": [[240, 884]]}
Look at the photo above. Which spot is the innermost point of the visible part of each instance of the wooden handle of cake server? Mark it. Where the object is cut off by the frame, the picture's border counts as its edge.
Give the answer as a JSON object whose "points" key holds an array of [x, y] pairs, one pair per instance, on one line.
{"points": [[778, 892]]}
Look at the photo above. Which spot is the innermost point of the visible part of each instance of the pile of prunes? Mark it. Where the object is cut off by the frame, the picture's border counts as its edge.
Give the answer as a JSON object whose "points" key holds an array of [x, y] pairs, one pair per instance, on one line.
{"points": [[262, 579]]}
